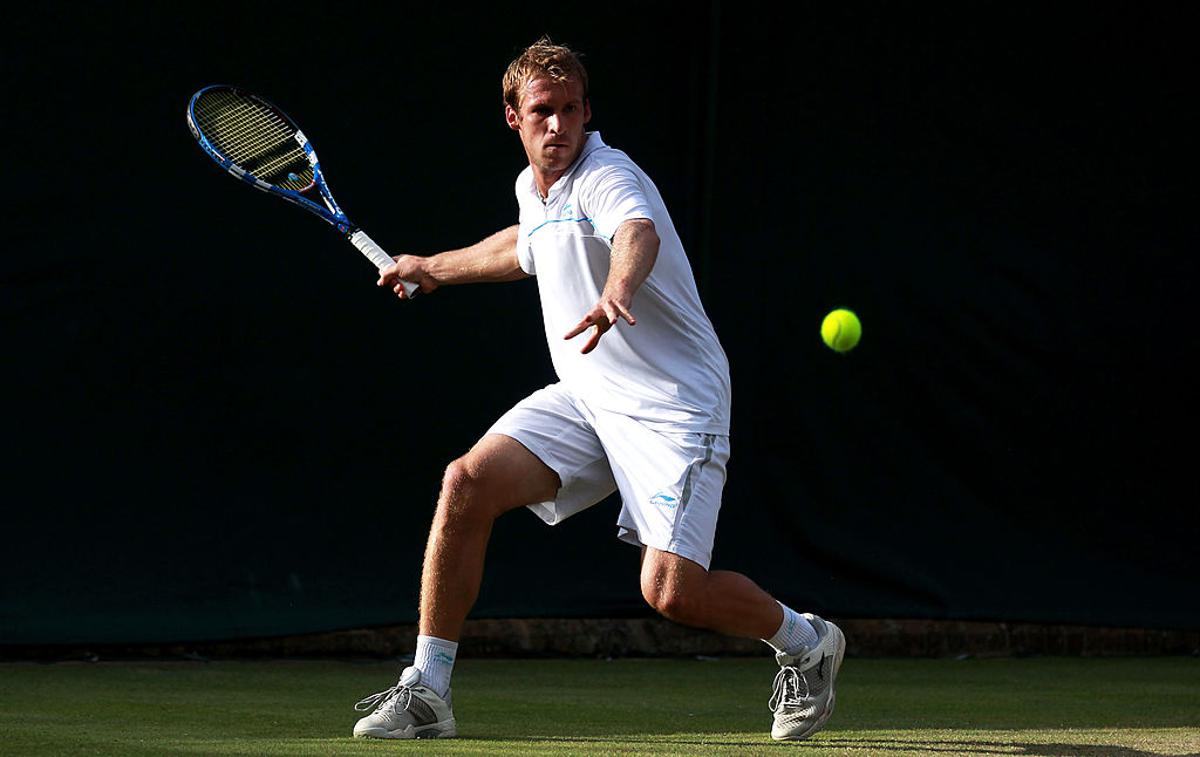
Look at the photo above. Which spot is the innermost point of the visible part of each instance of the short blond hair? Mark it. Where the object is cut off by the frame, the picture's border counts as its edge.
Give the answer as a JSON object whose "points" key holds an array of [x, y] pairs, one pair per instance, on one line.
{"points": [[543, 59]]}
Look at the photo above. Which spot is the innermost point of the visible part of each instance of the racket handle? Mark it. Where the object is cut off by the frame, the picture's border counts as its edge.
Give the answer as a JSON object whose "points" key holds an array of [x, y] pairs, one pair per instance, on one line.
{"points": [[376, 255]]}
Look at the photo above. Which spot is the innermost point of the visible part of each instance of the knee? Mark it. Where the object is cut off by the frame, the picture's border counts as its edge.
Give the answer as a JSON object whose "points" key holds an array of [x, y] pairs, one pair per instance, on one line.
{"points": [[463, 495], [672, 600]]}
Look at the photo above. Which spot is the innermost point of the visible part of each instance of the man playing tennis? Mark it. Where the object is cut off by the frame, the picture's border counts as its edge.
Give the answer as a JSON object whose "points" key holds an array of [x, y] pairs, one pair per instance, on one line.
{"points": [[641, 407]]}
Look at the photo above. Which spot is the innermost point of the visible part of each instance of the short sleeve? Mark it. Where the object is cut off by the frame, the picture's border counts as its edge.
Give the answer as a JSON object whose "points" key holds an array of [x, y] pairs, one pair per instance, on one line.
{"points": [[612, 196], [524, 251]]}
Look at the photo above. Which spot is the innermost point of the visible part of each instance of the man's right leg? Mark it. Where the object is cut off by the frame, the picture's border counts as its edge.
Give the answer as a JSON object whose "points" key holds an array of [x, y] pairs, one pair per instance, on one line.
{"points": [[497, 475]]}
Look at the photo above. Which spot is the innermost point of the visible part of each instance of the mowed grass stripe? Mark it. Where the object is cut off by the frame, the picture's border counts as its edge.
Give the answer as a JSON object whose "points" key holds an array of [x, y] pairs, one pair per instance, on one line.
{"points": [[1049, 706]]}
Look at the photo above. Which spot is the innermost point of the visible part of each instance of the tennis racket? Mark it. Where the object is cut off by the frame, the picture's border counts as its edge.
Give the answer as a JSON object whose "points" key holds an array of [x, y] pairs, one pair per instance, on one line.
{"points": [[257, 143]]}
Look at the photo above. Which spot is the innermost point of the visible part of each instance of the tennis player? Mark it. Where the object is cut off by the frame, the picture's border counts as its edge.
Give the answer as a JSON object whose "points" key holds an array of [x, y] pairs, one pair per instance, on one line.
{"points": [[641, 407]]}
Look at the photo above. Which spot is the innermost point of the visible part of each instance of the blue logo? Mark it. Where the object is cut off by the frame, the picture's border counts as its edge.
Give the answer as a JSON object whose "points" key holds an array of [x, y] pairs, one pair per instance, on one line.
{"points": [[566, 211], [665, 500]]}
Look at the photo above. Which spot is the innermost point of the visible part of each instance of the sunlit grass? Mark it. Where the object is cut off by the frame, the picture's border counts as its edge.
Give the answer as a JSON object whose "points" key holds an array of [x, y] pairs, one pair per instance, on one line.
{"points": [[1050, 706]]}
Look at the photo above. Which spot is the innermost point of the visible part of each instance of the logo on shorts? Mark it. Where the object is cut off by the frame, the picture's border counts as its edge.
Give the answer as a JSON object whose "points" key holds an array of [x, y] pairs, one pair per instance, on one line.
{"points": [[665, 500]]}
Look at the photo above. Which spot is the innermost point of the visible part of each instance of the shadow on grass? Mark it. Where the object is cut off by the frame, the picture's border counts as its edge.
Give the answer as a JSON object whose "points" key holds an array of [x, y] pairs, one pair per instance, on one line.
{"points": [[885, 745], [984, 746]]}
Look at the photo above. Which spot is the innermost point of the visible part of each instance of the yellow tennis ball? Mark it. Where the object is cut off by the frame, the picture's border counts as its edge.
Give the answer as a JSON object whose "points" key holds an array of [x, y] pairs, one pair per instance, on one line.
{"points": [[841, 330]]}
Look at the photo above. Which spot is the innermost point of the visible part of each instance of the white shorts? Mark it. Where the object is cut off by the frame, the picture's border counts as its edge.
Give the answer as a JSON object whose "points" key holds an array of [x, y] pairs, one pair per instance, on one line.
{"points": [[670, 481]]}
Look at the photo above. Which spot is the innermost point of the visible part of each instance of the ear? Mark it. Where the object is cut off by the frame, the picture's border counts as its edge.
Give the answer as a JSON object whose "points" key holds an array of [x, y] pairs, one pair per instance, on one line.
{"points": [[587, 111], [512, 118]]}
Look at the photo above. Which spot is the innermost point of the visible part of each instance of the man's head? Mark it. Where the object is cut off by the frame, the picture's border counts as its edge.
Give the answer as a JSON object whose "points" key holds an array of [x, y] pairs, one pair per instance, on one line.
{"points": [[542, 60], [545, 100]]}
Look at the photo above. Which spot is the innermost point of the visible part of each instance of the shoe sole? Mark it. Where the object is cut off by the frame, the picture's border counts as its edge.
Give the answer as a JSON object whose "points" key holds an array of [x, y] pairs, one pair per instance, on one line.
{"points": [[443, 730]]}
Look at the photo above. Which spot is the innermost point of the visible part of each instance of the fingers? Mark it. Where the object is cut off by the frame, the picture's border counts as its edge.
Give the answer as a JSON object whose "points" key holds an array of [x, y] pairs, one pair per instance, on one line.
{"points": [[397, 284], [624, 313], [600, 321], [592, 341], [394, 281], [580, 327], [387, 276], [598, 326]]}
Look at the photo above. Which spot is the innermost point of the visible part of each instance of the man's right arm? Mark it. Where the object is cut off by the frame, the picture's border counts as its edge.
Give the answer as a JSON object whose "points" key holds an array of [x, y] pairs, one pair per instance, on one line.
{"points": [[489, 260]]}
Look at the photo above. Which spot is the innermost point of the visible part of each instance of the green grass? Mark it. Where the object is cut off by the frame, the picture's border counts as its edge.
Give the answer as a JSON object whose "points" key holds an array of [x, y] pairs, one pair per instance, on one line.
{"points": [[1041, 706]]}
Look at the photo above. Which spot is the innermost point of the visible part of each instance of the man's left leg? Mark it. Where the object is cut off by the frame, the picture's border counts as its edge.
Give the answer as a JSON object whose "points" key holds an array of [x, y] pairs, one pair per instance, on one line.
{"points": [[808, 649]]}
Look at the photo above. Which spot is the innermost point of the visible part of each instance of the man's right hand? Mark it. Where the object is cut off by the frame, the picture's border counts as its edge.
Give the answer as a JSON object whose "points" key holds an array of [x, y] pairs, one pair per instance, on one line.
{"points": [[409, 268]]}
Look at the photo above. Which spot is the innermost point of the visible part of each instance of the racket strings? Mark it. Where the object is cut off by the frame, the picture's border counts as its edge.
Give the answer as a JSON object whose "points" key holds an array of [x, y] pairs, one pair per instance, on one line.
{"points": [[241, 128], [254, 137]]}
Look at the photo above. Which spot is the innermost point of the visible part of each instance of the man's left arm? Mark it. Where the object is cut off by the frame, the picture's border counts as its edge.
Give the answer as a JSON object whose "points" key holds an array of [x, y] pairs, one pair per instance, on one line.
{"points": [[634, 250]]}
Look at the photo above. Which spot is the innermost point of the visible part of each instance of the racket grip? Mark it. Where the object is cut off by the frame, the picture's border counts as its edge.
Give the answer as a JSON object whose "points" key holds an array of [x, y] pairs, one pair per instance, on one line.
{"points": [[376, 255]]}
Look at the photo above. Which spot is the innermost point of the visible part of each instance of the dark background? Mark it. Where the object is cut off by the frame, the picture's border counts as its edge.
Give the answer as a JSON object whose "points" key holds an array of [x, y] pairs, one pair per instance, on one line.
{"points": [[217, 427]]}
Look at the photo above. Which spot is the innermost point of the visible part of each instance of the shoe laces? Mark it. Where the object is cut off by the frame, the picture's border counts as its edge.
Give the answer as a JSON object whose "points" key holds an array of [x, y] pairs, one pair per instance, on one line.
{"points": [[786, 689], [398, 696]]}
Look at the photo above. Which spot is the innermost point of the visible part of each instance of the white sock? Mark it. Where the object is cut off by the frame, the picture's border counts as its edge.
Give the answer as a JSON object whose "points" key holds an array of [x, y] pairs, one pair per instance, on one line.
{"points": [[795, 633], [435, 659]]}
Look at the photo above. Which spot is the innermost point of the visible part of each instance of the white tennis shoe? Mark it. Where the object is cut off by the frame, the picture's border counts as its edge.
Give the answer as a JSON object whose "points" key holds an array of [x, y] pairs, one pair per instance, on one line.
{"points": [[408, 710], [803, 693]]}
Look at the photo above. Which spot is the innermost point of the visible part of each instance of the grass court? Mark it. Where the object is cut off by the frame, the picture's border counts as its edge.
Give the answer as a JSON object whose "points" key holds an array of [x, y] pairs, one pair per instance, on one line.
{"points": [[1035, 706]]}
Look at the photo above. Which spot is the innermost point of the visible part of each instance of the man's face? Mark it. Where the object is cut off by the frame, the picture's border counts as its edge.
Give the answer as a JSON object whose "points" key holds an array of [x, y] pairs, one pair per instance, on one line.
{"points": [[550, 121]]}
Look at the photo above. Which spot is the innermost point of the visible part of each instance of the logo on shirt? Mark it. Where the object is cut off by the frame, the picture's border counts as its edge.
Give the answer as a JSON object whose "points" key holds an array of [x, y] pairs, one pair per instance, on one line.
{"points": [[566, 211], [662, 499]]}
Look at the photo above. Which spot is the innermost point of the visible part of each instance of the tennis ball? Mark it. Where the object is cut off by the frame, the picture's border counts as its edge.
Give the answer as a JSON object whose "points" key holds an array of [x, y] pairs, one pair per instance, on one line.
{"points": [[841, 330]]}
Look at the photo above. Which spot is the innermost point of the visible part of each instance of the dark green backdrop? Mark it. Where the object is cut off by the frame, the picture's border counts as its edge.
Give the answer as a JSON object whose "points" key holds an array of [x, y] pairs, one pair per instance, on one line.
{"points": [[215, 426]]}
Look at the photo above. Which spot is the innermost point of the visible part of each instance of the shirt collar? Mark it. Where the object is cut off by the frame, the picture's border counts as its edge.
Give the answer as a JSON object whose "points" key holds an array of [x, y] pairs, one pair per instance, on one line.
{"points": [[590, 145]]}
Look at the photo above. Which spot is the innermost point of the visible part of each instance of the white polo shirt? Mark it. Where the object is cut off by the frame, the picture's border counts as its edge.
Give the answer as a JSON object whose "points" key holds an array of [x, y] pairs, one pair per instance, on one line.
{"points": [[669, 370]]}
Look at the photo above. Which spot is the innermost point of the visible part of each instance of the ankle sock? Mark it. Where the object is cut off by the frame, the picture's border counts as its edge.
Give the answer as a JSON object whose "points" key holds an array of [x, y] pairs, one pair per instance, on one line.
{"points": [[795, 633], [435, 659]]}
